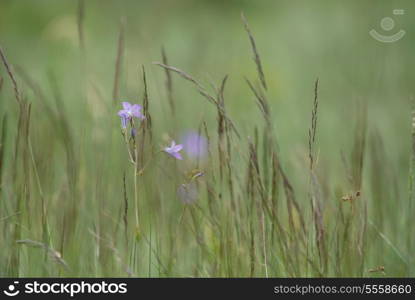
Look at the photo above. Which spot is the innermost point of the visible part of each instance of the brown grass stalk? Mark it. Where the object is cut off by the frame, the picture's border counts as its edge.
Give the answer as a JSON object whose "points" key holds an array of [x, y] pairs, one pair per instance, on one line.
{"points": [[169, 81], [118, 61], [257, 58], [201, 89]]}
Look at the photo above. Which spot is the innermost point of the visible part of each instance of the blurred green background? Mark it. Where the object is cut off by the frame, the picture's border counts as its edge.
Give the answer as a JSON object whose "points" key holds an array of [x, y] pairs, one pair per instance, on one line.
{"points": [[298, 41]]}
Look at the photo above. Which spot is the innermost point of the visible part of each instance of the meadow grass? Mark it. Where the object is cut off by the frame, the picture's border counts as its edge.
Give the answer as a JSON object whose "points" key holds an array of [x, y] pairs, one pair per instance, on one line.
{"points": [[80, 196]]}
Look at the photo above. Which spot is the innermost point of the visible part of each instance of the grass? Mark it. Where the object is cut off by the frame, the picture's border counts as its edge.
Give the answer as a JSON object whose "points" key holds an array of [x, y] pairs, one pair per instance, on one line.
{"points": [[284, 190]]}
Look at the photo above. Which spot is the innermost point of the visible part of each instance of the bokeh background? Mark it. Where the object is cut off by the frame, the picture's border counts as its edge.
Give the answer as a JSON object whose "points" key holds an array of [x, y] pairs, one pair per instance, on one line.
{"points": [[298, 41]]}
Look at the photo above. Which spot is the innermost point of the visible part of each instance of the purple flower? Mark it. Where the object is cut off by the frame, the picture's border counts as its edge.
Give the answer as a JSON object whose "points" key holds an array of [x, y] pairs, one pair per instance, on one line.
{"points": [[195, 145], [133, 132], [174, 149], [128, 112]]}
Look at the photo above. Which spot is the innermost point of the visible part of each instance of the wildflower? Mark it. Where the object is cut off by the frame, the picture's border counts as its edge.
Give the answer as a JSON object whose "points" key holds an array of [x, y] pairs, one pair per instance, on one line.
{"points": [[174, 149], [128, 112], [133, 132], [195, 145]]}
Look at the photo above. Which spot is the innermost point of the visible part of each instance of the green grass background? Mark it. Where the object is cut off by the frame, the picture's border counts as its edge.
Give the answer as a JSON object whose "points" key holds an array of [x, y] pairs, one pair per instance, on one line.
{"points": [[298, 41]]}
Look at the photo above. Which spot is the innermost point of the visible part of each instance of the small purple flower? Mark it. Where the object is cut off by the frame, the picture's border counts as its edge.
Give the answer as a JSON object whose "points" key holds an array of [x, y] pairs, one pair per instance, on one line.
{"points": [[174, 149], [195, 145], [133, 132], [128, 112]]}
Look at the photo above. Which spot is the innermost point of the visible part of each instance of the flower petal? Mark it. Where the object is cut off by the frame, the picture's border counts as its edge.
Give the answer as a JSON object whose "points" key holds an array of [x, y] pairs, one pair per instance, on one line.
{"points": [[126, 105], [167, 150], [124, 122], [122, 113], [177, 148], [136, 111], [177, 155]]}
